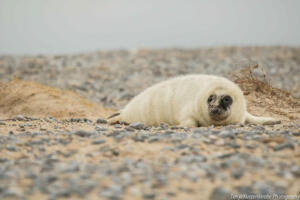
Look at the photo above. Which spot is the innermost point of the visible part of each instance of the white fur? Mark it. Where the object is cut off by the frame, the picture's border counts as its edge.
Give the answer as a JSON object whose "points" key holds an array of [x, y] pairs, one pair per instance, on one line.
{"points": [[183, 101]]}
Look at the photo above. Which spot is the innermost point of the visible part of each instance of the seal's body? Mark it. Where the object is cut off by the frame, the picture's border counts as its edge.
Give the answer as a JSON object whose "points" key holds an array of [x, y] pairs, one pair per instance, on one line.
{"points": [[191, 100]]}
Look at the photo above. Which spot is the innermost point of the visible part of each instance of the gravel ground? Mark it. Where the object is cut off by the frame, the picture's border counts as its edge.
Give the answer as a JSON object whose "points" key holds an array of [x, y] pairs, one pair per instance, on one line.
{"points": [[48, 158], [112, 78]]}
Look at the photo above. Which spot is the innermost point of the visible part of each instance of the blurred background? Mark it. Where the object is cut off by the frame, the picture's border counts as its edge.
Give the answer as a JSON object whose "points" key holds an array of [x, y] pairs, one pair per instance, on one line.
{"points": [[67, 26]]}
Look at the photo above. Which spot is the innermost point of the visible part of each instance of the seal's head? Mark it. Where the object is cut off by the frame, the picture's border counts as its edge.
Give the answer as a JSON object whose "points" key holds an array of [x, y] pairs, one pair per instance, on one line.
{"points": [[219, 106], [222, 103]]}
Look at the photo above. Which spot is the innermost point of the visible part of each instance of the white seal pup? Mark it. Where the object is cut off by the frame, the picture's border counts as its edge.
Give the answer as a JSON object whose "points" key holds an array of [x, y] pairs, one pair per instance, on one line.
{"points": [[190, 101]]}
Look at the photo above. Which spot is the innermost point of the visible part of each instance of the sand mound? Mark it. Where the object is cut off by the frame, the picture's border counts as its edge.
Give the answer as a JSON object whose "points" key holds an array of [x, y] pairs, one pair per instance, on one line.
{"points": [[263, 99], [32, 99]]}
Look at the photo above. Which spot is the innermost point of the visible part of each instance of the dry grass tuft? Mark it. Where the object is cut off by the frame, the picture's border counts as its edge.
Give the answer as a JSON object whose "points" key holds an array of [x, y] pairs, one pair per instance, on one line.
{"points": [[261, 96]]}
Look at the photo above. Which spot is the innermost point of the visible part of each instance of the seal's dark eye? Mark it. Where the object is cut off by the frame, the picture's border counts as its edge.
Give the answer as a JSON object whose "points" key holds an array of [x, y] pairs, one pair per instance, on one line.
{"points": [[210, 98], [227, 99]]}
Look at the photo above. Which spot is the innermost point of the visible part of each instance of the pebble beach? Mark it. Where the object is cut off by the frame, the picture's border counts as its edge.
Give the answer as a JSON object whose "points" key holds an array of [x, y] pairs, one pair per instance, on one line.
{"points": [[43, 157]]}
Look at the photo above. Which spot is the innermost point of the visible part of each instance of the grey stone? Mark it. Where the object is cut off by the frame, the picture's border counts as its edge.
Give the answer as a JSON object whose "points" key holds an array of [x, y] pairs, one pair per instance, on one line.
{"points": [[101, 121], [263, 188], [98, 128], [220, 193], [182, 146], [118, 126], [191, 159], [137, 125], [139, 138], [296, 134], [149, 195], [114, 192], [175, 127], [233, 145], [164, 126], [2, 160], [75, 120], [11, 147], [114, 133], [154, 139], [198, 131], [19, 118], [98, 142], [284, 145], [237, 173], [245, 190], [68, 167], [83, 133], [129, 129], [226, 155], [296, 170], [50, 119], [171, 194], [228, 134]]}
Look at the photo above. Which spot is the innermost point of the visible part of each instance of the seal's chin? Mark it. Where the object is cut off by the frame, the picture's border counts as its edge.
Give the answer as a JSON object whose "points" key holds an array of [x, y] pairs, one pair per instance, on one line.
{"points": [[218, 117]]}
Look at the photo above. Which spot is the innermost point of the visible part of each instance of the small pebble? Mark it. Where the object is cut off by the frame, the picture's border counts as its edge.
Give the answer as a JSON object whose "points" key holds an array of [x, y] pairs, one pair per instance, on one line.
{"points": [[220, 193], [149, 196], [19, 118], [296, 171], [284, 145], [154, 139], [137, 125], [98, 142], [101, 121], [83, 133], [296, 134], [237, 173], [11, 148], [98, 128]]}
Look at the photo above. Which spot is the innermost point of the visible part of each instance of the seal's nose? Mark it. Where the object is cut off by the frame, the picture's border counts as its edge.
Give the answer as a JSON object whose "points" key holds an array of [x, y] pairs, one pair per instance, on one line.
{"points": [[216, 111]]}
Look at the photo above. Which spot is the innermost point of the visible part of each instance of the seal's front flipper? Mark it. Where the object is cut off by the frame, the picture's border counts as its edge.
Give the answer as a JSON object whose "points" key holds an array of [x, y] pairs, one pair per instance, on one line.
{"points": [[261, 120], [189, 122]]}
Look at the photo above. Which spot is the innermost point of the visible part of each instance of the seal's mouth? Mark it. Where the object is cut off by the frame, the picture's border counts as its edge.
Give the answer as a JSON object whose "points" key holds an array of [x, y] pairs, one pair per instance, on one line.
{"points": [[218, 114]]}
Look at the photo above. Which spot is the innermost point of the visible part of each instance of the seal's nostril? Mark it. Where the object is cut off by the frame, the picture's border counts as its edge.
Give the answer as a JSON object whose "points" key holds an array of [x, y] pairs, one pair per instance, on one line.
{"points": [[215, 111]]}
